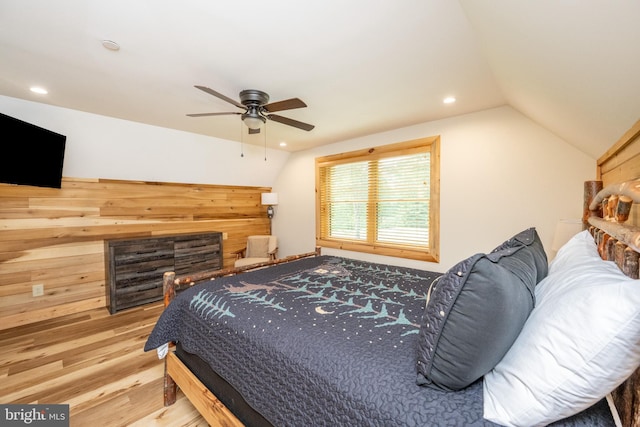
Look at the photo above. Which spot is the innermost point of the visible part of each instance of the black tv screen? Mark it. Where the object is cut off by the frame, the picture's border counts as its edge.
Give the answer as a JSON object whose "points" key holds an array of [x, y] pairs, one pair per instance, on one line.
{"points": [[31, 155]]}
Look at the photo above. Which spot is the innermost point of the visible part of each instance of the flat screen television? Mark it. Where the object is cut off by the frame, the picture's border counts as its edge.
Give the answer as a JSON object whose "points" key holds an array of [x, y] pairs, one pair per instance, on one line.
{"points": [[31, 155]]}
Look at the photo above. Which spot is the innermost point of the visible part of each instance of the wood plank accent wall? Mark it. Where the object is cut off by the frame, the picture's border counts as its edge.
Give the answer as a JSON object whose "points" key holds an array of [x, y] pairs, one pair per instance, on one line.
{"points": [[621, 163], [56, 237]]}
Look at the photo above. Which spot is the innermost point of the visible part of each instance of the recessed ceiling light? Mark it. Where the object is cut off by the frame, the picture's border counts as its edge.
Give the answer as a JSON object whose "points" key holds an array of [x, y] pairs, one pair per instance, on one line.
{"points": [[111, 45], [40, 90], [283, 144], [449, 100]]}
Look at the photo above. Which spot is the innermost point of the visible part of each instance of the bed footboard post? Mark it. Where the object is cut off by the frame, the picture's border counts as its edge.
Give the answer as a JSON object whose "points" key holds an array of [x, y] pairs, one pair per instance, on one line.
{"points": [[168, 287], [170, 387], [169, 290]]}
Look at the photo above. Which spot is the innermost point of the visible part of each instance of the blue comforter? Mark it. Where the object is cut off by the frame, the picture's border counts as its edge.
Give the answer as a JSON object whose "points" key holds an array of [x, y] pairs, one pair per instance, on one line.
{"points": [[323, 341]]}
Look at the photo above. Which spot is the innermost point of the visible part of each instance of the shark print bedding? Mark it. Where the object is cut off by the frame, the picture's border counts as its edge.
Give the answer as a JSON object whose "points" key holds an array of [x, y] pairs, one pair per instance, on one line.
{"points": [[324, 341]]}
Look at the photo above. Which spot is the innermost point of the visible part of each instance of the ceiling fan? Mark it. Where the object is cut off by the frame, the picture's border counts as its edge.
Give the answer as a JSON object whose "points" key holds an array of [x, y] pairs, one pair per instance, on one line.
{"points": [[256, 110]]}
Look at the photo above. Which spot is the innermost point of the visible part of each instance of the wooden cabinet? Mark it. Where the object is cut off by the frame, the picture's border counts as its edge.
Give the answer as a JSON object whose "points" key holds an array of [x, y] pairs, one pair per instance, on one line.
{"points": [[135, 266], [198, 252]]}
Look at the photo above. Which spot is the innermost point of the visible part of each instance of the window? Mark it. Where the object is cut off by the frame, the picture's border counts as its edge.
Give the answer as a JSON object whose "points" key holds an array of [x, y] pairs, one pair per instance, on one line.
{"points": [[382, 200]]}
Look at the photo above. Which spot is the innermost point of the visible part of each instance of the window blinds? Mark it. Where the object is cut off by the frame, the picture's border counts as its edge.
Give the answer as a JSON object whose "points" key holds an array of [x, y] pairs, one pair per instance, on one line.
{"points": [[382, 200]]}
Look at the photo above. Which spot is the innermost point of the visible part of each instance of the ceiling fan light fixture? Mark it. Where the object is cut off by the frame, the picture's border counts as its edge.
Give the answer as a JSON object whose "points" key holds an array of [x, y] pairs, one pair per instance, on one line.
{"points": [[253, 120]]}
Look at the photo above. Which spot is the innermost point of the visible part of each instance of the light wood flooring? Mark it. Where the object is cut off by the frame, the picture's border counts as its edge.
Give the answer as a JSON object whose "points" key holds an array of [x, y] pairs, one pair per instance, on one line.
{"points": [[94, 362]]}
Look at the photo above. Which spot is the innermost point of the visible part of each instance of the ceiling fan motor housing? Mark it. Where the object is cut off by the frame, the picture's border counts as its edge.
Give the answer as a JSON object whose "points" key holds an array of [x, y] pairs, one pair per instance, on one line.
{"points": [[253, 97], [252, 114]]}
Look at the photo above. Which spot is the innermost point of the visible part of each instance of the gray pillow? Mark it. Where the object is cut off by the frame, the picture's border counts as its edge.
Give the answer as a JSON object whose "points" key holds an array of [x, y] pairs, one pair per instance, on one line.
{"points": [[476, 310], [531, 240]]}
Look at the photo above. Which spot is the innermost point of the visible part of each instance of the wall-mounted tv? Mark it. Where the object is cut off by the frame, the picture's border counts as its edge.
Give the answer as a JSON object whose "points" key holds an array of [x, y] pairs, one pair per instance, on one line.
{"points": [[31, 155]]}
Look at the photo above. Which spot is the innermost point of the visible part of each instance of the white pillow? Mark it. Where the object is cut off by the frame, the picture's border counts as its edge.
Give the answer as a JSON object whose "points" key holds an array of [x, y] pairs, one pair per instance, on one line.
{"points": [[580, 342]]}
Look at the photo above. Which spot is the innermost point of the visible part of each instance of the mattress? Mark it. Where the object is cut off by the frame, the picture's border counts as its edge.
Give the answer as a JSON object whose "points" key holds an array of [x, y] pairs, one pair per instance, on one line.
{"points": [[224, 391]]}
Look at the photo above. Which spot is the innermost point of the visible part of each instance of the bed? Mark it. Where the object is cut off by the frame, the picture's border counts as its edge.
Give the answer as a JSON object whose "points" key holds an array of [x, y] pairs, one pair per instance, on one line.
{"points": [[324, 340]]}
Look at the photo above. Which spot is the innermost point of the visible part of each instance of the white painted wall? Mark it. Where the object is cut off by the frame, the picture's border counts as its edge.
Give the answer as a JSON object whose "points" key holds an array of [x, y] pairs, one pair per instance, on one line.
{"points": [[500, 173], [104, 147]]}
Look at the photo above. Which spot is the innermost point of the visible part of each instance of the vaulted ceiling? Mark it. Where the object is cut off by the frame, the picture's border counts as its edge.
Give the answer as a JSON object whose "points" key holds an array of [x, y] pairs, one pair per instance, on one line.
{"points": [[361, 66]]}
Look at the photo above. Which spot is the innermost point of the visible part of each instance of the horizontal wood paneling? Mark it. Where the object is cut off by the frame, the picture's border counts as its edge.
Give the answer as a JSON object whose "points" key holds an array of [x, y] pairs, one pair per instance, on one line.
{"points": [[622, 161], [56, 237]]}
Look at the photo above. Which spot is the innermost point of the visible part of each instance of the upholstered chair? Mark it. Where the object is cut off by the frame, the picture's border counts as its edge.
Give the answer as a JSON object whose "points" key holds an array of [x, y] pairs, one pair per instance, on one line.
{"points": [[259, 249]]}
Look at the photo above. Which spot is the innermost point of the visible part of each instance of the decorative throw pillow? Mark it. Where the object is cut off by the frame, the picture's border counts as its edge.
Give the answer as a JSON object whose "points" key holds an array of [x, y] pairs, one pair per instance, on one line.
{"points": [[580, 342], [475, 312], [531, 240]]}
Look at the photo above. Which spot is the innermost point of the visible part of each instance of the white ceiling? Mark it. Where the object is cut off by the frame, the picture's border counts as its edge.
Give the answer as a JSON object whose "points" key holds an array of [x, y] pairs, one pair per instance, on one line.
{"points": [[361, 66]]}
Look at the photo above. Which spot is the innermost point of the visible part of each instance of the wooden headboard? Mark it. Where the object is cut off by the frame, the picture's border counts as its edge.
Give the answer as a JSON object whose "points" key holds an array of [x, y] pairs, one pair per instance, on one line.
{"points": [[618, 241], [612, 215]]}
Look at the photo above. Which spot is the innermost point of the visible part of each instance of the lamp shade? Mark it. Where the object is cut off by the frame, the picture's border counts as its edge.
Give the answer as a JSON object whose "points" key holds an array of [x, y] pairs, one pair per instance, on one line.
{"points": [[565, 230], [269, 199]]}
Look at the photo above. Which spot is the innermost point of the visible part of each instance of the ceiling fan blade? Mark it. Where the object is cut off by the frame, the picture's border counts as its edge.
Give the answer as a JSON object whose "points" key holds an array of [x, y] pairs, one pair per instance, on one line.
{"points": [[290, 122], [287, 104], [221, 96], [211, 114]]}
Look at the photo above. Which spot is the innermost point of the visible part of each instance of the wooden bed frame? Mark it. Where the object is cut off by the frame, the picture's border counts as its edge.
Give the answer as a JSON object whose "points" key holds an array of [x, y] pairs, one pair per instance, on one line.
{"points": [[618, 240]]}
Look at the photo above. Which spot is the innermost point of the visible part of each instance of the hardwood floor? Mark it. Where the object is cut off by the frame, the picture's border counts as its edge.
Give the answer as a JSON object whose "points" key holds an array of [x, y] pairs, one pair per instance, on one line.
{"points": [[94, 362]]}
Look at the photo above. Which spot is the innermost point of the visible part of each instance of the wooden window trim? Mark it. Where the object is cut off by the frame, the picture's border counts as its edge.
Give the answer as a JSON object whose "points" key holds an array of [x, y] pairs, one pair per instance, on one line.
{"points": [[432, 254]]}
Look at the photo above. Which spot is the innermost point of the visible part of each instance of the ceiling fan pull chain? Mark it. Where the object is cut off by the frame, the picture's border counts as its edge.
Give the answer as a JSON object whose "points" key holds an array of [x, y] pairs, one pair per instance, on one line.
{"points": [[241, 141]]}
